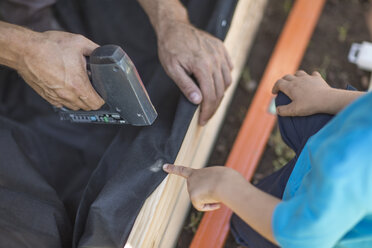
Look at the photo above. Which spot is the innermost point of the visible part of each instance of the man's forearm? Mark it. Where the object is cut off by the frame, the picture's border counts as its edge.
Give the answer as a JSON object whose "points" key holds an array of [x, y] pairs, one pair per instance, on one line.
{"points": [[13, 41], [163, 12], [254, 206]]}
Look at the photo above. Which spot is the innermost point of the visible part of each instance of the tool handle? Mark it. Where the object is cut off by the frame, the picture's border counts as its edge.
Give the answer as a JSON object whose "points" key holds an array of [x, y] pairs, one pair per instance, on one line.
{"points": [[117, 81]]}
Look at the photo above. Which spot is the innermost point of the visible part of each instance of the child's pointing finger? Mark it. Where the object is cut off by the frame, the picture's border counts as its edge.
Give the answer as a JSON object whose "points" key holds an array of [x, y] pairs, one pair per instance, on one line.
{"points": [[178, 170]]}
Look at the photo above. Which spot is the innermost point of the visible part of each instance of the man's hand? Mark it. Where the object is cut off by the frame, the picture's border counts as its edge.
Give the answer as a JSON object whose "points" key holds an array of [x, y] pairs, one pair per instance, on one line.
{"points": [[185, 51], [197, 62], [54, 65]]}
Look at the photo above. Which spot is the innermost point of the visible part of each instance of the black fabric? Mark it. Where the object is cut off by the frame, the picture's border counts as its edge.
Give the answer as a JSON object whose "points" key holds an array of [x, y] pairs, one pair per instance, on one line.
{"points": [[75, 185], [35, 14], [295, 132]]}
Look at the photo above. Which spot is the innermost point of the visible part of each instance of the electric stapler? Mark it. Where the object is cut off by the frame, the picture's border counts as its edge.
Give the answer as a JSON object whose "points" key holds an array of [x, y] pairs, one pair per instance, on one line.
{"points": [[115, 78]]}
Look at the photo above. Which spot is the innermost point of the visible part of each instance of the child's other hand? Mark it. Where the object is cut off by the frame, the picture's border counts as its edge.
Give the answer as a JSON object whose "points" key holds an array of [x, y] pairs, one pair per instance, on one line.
{"points": [[308, 93], [205, 186]]}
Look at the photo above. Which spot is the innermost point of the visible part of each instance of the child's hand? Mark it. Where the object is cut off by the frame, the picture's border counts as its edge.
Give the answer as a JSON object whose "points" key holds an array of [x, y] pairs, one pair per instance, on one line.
{"points": [[205, 186], [211, 186], [309, 94]]}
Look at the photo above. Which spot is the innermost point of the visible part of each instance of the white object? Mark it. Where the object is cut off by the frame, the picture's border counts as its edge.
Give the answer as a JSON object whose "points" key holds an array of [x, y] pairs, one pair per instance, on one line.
{"points": [[361, 55]]}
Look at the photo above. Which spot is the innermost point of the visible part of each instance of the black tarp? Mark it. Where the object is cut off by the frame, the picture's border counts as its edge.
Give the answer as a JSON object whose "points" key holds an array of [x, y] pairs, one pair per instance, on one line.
{"points": [[81, 185]]}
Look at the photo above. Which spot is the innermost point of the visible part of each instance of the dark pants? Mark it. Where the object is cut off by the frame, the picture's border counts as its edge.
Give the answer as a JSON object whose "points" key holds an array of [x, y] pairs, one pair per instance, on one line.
{"points": [[295, 132]]}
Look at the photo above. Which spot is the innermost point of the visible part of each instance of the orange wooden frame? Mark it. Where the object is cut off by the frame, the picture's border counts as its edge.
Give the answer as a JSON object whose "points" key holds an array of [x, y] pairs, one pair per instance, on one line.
{"points": [[258, 124]]}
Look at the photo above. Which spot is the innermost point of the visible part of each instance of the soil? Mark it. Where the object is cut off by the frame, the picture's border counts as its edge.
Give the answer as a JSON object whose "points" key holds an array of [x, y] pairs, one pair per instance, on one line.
{"points": [[341, 24]]}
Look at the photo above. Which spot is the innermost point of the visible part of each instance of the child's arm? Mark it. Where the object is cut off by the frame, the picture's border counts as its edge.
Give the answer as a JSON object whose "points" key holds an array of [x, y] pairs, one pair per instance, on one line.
{"points": [[209, 187], [310, 94]]}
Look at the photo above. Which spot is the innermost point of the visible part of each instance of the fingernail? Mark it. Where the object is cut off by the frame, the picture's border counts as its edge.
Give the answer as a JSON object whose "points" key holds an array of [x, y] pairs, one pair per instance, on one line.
{"points": [[195, 97], [165, 167]]}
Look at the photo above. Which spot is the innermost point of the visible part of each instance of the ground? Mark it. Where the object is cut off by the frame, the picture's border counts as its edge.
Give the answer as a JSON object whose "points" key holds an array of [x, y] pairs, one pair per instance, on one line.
{"points": [[341, 23]]}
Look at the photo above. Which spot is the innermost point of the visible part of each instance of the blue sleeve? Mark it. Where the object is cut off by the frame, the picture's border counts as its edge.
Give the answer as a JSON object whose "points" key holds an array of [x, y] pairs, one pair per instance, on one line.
{"points": [[333, 196]]}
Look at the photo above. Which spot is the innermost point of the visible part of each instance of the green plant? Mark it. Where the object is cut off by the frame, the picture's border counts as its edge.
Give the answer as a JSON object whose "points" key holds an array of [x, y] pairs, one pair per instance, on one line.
{"points": [[195, 219], [287, 5], [342, 32]]}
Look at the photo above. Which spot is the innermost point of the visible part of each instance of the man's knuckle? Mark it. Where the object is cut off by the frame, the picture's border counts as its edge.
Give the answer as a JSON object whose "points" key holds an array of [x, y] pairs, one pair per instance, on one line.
{"points": [[228, 78], [215, 60], [203, 63], [219, 95], [73, 107], [172, 70], [214, 101], [80, 38], [50, 95], [227, 82], [207, 112], [86, 108], [99, 103], [75, 85], [174, 63], [94, 106], [65, 95], [42, 94], [209, 98]]}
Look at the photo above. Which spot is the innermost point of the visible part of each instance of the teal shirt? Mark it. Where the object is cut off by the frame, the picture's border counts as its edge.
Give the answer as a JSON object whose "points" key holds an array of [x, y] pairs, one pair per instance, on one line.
{"points": [[327, 201]]}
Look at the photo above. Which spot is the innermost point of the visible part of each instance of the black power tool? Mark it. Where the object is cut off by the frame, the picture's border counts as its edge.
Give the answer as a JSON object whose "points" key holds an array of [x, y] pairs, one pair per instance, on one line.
{"points": [[116, 80]]}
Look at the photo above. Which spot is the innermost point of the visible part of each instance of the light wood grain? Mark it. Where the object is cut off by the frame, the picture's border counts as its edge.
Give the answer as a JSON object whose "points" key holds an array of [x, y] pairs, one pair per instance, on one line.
{"points": [[161, 217]]}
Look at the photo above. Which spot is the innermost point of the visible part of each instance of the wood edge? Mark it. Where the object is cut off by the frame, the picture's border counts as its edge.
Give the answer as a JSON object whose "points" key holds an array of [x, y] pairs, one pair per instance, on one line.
{"points": [[195, 133]]}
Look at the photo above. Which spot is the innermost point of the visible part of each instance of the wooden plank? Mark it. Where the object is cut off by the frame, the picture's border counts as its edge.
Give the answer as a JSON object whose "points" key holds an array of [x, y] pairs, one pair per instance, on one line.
{"points": [[258, 124], [161, 217]]}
